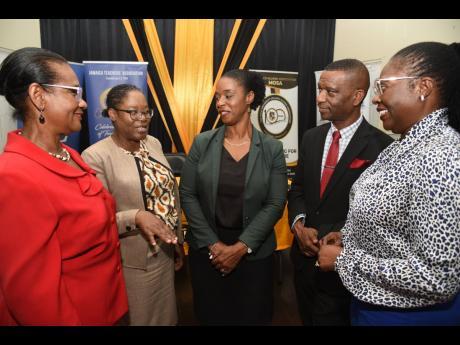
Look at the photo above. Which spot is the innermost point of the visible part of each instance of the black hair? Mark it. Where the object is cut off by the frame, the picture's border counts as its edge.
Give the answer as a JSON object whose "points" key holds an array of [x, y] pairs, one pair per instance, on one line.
{"points": [[350, 65], [251, 81], [22, 68], [440, 62], [116, 96], [456, 47]]}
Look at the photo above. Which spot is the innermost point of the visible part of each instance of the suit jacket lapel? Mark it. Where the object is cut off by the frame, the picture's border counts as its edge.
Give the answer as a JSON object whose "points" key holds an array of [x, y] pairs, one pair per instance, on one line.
{"points": [[253, 154], [215, 154], [357, 143]]}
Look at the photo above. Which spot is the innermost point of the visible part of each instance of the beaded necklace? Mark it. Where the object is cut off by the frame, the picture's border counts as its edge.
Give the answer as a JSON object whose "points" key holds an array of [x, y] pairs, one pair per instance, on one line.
{"points": [[64, 155]]}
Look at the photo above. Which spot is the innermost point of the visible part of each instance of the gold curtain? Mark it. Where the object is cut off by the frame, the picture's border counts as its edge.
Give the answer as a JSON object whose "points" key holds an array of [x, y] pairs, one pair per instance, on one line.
{"points": [[254, 39], [139, 56], [162, 68], [193, 71]]}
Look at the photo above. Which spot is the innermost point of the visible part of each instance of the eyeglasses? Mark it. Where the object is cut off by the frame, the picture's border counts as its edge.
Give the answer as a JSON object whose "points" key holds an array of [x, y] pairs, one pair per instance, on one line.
{"points": [[137, 115], [379, 88], [78, 90]]}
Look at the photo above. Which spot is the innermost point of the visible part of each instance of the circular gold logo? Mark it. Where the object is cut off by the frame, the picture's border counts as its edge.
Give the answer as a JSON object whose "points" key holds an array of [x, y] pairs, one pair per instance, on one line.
{"points": [[275, 116]]}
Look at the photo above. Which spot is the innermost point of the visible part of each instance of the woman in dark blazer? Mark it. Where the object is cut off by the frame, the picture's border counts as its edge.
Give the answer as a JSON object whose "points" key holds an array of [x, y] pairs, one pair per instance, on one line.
{"points": [[233, 191]]}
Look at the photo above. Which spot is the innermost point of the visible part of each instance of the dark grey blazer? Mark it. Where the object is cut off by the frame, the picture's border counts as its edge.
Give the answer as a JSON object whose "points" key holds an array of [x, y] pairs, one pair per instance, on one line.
{"points": [[264, 197]]}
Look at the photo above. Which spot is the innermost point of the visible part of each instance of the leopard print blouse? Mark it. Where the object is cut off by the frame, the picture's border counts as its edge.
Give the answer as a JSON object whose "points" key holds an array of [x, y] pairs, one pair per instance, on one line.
{"points": [[402, 235]]}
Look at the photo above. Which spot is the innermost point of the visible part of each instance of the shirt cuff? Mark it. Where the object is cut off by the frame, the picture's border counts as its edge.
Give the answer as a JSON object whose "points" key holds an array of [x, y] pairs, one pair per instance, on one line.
{"points": [[299, 216]]}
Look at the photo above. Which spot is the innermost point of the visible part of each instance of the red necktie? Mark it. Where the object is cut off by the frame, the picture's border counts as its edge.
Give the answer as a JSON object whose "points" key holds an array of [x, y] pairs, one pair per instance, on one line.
{"points": [[331, 162]]}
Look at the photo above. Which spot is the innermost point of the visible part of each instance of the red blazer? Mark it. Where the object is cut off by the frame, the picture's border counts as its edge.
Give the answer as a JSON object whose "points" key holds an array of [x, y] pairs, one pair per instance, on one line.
{"points": [[59, 249]]}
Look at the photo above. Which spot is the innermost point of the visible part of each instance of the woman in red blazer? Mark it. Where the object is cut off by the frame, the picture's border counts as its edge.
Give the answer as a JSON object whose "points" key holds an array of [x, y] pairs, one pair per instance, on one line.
{"points": [[59, 249]]}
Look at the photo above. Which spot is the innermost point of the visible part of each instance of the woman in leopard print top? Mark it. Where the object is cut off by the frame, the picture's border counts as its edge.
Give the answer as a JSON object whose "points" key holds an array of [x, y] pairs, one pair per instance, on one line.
{"points": [[401, 243]]}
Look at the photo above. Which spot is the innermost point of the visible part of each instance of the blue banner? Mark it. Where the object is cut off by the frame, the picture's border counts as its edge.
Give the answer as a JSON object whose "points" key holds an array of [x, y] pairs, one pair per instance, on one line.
{"points": [[100, 77], [72, 140]]}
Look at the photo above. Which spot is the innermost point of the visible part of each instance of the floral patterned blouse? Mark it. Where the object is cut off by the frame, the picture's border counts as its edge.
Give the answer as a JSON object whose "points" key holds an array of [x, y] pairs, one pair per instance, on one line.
{"points": [[158, 186], [402, 235]]}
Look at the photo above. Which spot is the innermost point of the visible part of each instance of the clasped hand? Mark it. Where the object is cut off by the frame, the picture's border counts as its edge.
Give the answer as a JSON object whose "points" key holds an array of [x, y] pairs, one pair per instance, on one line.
{"points": [[327, 249], [226, 257]]}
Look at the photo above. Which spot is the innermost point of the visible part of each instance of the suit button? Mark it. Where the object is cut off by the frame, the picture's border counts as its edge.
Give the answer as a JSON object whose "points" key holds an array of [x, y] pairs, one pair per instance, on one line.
{"points": [[118, 244], [118, 267], [317, 213]]}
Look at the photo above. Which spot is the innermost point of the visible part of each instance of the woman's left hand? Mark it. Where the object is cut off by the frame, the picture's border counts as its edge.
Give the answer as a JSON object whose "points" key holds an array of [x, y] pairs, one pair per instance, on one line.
{"points": [[179, 256], [327, 256], [229, 257]]}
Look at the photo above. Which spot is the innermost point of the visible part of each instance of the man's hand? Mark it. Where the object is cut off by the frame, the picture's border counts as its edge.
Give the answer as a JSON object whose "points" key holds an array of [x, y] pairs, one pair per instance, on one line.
{"points": [[151, 226], [307, 239], [332, 238]]}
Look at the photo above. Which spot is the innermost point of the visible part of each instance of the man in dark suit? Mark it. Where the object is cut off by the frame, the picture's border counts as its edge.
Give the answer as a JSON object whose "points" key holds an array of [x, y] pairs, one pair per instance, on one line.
{"points": [[329, 163]]}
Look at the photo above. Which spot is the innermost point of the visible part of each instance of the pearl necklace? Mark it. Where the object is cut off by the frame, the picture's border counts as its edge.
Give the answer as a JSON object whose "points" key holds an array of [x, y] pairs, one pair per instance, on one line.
{"points": [[63, 157], [240, 144]]}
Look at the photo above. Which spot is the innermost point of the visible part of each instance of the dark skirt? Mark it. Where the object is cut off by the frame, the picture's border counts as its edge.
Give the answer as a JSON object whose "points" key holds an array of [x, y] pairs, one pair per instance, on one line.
{"points": [[445, 314], [243, 297]]}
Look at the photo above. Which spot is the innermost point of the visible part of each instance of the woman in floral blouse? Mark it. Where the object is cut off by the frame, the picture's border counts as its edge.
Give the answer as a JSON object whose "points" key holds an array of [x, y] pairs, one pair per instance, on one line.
{"points": [[399, 251], [132, 166]]}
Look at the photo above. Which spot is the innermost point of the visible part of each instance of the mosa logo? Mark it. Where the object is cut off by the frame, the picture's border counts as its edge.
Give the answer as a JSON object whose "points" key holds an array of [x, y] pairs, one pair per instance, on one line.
{"points": [[275, 116]]}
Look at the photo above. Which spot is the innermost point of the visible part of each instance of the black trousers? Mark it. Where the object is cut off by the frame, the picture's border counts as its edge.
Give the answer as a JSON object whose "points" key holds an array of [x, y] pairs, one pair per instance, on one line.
{"points": [[243, 297], [321, 297]]}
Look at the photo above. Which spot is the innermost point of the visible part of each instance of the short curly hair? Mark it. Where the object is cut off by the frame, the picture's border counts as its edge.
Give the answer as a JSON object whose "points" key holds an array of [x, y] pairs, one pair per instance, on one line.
{"points": [[251, 81], [351, 65]]}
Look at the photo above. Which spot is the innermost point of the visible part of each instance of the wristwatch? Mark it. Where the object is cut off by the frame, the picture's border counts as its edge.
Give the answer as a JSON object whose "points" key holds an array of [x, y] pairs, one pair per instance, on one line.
{"points": [[249, 250]]}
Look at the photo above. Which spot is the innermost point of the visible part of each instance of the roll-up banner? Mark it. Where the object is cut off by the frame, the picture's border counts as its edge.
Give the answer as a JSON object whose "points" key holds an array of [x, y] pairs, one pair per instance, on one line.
{"points": [[278, 113], [278, 116], [100, 77]]}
